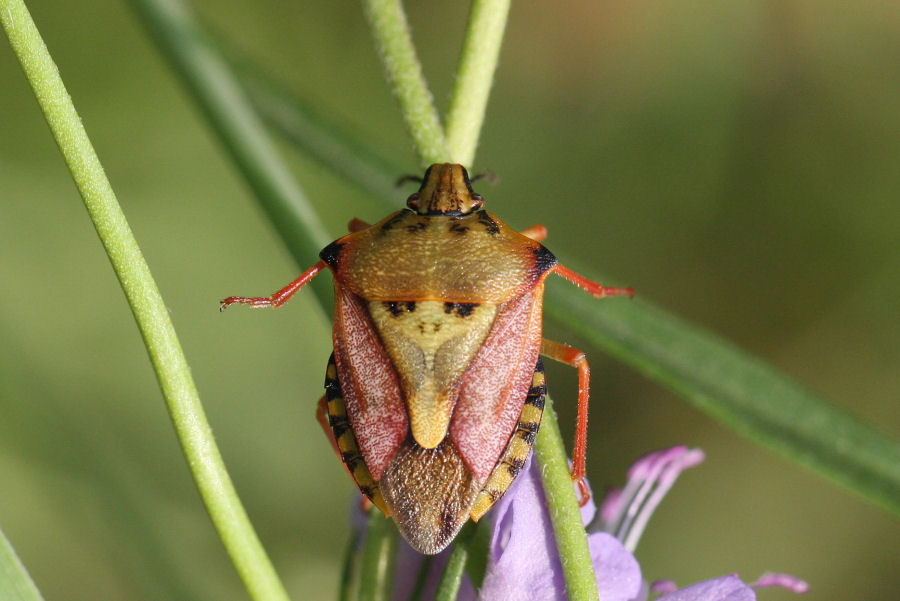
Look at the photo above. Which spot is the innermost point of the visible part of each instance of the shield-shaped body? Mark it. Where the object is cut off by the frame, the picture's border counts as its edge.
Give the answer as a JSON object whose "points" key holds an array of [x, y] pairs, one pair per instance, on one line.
{"points": [[435, 388]]}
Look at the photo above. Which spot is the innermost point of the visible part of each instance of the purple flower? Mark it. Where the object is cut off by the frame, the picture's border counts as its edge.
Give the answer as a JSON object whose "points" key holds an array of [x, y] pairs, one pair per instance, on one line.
{"points": [[524, 563], [728, 588]]}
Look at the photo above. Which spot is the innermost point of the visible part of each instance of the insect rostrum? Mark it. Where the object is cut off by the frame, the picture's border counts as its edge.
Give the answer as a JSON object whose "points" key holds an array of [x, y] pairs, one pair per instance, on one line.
{"points": [[435, 389]]}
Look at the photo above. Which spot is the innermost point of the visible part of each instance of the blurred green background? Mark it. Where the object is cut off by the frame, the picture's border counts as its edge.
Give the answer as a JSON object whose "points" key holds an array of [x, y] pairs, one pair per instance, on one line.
{"points": [[736, 162]]}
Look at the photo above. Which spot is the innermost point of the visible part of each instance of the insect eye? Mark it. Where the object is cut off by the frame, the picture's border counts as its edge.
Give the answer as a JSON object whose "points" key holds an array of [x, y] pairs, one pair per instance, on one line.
{"points": [[413, 201]]}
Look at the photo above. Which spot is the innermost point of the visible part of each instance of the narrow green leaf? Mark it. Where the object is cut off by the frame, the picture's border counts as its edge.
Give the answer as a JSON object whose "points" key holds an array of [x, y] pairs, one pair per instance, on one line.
{"points": [[737, 389], [15, 583]]}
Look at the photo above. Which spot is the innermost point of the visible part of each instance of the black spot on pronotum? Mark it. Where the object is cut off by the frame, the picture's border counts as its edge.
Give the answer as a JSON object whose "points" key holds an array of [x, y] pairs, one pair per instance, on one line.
{"points": [[331, 253], [543, 259], [417, 227], [491, 226], [458, 228], [390, 223]]}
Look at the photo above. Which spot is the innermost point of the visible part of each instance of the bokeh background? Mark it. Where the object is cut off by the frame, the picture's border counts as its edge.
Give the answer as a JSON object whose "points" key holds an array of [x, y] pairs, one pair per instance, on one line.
{"points": [[736, 162]]}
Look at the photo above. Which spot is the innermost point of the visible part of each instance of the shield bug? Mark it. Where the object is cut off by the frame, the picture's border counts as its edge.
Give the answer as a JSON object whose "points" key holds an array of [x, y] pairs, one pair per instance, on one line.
{"points": [[435, 389]]}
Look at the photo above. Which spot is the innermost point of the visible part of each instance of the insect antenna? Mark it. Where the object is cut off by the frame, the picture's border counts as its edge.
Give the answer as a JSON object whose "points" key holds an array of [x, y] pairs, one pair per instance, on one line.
{"points": [[407, 178], [487, 175]]}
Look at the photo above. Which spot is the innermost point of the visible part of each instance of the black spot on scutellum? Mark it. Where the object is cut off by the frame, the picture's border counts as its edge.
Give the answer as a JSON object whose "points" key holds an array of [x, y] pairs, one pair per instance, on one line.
{"points": [[461, 309]]}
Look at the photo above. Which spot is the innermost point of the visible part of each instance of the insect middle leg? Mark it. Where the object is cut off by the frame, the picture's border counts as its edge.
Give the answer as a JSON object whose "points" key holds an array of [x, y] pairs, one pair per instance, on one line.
{"points": [[575, 358]]}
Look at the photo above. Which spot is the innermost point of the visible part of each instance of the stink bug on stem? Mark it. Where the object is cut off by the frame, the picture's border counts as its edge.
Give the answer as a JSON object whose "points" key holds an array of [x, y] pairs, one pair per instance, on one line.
{"points": [[435, 390]]}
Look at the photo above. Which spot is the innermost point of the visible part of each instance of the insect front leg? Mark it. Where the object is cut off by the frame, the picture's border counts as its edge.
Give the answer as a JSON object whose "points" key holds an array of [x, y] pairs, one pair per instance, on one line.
{"points": [[593, 288], [575, 358], [278, 298]]}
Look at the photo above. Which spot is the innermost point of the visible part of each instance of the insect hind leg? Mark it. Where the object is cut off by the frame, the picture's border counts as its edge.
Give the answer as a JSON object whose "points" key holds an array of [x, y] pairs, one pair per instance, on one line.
{"points": [[575, 358]]}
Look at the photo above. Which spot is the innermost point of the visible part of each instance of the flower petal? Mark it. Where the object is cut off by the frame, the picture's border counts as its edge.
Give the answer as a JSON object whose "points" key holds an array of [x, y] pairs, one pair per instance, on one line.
{"points": [[524, 560], [726, 588]]}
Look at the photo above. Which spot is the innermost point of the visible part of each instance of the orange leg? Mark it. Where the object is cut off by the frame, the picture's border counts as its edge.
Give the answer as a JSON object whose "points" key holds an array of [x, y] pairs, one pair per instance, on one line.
{"points": [[280, 297], [575, 358], [592, 288], [535, 232]]}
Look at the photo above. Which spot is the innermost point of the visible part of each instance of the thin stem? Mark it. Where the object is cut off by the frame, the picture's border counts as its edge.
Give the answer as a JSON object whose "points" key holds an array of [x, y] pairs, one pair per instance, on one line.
{"points": [[398, 55], [474, 76], [147, 305], [578, 570], [350, 570], [451, 579], [378, 557]]}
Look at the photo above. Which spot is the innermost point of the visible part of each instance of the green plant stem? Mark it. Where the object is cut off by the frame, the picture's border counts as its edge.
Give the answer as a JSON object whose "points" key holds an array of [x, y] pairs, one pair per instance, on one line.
{"points": [[232, 116], [147, 305], [474, 76], [398, 55], [565, 515], [378, 557], [451, 579], [350, 569]]}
